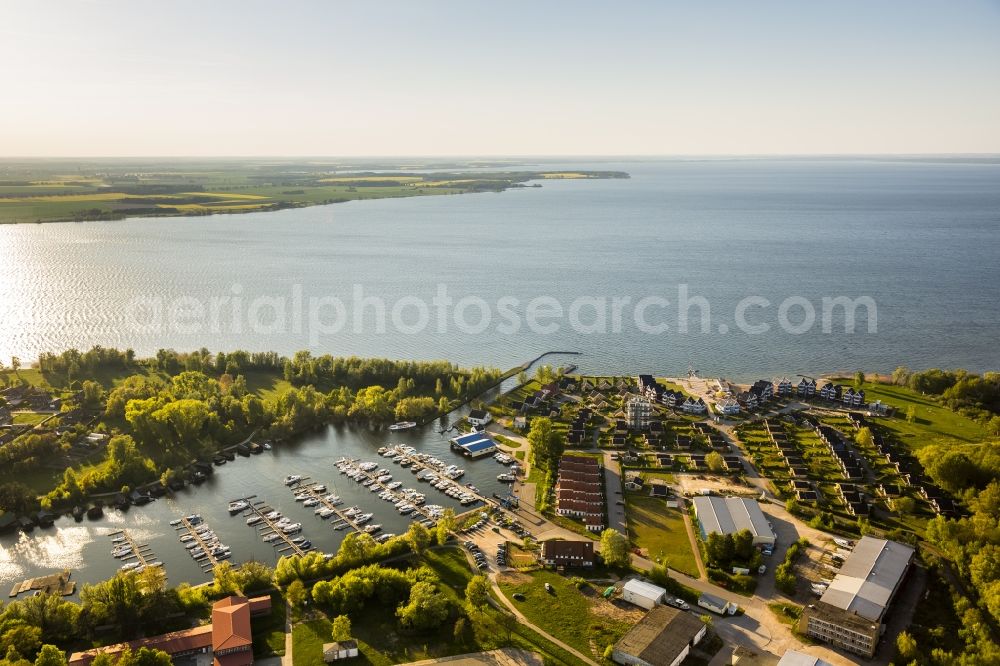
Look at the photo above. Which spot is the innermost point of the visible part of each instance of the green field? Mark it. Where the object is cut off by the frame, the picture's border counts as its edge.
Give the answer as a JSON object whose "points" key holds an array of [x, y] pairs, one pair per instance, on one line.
{"points": [[933, 423], [566, 613], [59, 190], [376, 625], [660, 531]]}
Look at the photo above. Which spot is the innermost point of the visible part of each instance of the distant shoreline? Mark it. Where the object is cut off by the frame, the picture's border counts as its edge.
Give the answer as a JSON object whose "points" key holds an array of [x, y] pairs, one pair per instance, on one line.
{"points": [[101, 192]]}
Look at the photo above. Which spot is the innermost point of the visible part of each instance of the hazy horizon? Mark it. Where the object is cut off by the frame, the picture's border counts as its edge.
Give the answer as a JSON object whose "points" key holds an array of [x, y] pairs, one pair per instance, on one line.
{"points": [[512, 157], [185, 79]]}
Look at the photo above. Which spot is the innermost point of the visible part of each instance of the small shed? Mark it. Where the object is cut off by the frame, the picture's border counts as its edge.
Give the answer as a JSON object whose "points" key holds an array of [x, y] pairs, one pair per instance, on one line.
{"points": [[340, 650]]}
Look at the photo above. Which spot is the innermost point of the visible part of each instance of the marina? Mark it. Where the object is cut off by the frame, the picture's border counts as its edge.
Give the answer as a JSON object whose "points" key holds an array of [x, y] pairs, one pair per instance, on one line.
{"points": [[409, 501], [273, 528], [83, 547], [201, 541], [313, 494], [136, 556]]}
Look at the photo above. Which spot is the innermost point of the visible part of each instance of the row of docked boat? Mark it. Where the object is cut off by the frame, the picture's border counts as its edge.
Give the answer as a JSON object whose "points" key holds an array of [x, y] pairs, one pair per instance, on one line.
{"points": [[275, 520], [379, 480], [503, 458], [139, 567], [203, 544], [278, 529], [407, 456], [192, 519]]}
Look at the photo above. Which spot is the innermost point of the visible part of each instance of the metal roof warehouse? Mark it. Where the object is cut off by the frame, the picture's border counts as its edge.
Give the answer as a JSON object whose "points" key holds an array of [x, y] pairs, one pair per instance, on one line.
{"points": [[475, 444], [868, 579], [728, 515]]}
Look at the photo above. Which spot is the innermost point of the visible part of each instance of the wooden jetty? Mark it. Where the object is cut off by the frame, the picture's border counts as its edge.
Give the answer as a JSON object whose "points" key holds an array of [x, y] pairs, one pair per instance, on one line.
{"points": [[268, 526], [418, 510], [342, 518], [57, 583], [141, 552], [415, 460], [209, 560]]}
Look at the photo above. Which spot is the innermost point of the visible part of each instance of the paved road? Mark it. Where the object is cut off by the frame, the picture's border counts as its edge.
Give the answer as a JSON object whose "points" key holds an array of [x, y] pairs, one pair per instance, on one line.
{"points": [[613, 494], [758, 626]]}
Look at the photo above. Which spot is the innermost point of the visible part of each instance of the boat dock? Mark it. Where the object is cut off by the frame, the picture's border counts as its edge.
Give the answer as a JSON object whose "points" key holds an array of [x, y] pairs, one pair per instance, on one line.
{"points": [[283, 543], [58, 583], [141, 556], [342, 517], [418, 510], [422, 461], [207, 560]]}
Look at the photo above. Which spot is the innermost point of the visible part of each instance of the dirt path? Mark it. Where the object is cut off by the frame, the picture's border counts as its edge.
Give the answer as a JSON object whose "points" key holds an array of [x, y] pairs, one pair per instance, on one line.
{"points": [[702, 573], [525, 621]]}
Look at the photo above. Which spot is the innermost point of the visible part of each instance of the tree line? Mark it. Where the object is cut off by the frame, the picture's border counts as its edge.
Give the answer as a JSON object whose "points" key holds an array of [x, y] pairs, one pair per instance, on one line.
{"points": [[191, 405]]}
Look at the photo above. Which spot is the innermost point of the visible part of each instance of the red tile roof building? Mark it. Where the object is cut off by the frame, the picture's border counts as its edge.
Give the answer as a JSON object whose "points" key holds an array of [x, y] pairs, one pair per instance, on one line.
{"points": [[228, 637], [580, 490]]}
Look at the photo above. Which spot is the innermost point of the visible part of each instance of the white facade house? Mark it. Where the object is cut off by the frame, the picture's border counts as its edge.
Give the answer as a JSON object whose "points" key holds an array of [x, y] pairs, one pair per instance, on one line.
{"points": [[479, 417], [692, 406], [642, 594], [728, 406]]}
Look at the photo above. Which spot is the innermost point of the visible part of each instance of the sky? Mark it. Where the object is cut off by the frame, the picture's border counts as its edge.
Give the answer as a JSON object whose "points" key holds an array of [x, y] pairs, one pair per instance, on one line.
{"points": [[463, 78]]}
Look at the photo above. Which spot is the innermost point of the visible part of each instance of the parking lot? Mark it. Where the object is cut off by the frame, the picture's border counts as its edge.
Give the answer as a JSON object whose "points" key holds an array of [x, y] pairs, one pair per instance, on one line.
{"points": [[821, 564], [485, 540]]}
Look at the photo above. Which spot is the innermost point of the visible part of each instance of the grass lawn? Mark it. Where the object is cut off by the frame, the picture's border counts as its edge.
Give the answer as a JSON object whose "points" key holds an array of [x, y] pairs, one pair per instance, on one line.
{"points": [[269, 630], [507, 441], [933, 423], [29, 418], [307, 646], [31, 375], [786, 613], [452, 568], [307, 641], [660, 531], [517, 556], [666, 477], [576, 617], [266, 384]]}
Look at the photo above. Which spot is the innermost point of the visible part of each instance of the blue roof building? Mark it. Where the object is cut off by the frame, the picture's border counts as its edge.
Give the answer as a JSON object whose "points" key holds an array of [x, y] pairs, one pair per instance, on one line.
{"points": [[474, 444]]}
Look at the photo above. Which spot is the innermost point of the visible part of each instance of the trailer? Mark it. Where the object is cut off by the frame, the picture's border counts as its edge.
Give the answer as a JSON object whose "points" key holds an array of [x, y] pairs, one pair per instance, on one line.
{"points": [[642, 594], [717, 605]]}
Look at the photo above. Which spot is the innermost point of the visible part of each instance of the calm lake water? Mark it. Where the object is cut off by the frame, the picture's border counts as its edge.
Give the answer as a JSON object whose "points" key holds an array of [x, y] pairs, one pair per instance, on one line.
{"points": [[920, 238], [85, 547]]}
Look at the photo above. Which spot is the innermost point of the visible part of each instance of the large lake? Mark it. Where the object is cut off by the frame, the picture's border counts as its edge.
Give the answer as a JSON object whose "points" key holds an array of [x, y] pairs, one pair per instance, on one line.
{"points": [[919, 238]]}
